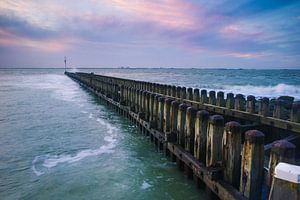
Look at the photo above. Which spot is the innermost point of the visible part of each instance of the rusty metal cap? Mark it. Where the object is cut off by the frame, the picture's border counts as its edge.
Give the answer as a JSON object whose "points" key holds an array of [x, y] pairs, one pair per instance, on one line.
{"points": [[191, 111], [250, 98], [220, 94], [284, 148], [217, 120], [230, 95], [239, 96], [254, 136], [169, 101], [212, 93], [233, 127], [183, 106], [175, 103], [203, 115]]}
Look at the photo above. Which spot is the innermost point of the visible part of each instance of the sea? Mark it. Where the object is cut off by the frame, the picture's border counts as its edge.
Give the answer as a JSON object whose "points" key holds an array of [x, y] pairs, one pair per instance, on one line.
{"points": [[58, 141]]}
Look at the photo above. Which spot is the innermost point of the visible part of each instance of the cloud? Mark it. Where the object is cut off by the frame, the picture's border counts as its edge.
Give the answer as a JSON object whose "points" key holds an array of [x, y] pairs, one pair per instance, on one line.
{"points": [[46, 45]]}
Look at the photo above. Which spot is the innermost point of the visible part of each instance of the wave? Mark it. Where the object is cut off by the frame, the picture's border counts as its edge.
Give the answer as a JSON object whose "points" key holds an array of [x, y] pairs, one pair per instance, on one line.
{"points": [[262, 91], [41, 164]]}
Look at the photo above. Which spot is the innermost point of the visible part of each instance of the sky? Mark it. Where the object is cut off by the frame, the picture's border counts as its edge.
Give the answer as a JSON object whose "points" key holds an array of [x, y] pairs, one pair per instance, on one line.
{"points": [[150, 33]]}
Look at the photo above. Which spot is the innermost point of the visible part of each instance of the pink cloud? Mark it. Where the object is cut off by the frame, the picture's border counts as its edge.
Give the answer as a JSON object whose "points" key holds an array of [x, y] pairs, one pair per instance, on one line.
{"points": [[172, 14], [244, 55], [50, 45], [237, 32]]}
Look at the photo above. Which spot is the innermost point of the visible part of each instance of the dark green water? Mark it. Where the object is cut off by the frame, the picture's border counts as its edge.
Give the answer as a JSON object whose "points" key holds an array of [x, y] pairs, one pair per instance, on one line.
{"points": [[57, 141]]}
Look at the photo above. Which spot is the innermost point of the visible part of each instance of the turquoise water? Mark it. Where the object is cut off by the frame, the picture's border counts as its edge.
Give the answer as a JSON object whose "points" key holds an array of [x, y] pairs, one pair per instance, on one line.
{"points": [[57, 141]]}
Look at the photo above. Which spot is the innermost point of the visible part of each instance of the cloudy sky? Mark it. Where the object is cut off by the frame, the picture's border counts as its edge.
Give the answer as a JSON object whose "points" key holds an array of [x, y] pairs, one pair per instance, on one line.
{"points": [[150, 33]]}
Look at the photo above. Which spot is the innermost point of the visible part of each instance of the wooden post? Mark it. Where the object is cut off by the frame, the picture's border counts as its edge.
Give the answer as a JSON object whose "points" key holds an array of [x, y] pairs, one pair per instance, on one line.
{"points": [[147, 106], [231, 151], [173, 91], [282, 151], [250, 106], [181, 124], [201, 135], [286, 183], [196, 95], [295, 113], [183, 93], [252, 165], [190, 129], [178, 91], [230, 101], [161, 113], [239, 102], [151, 106], [212, 97], [174, 112], [263, 107], [169, 90], [190, 94], [214, 141], [204, 98], [278, 109], [220, 99], [167, 115]]}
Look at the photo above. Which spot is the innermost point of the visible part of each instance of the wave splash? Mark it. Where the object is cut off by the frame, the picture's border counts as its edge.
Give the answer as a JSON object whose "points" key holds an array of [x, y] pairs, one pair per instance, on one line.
{"points": [[263, 91], [41, 164]]}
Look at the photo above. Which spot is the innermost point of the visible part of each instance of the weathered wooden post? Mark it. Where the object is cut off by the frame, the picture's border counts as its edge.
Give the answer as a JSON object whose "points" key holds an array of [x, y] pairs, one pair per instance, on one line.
{"points": [[173, 93], [231, 151], [196, 95], [212, 97], [263, 107], [286, 183], [147, 106], [181, 124], [190, 129], [239, 102], [220, 99], [250, 105], [178, 91], [295, 113], [167, 115], [151, 106], [154, 123], [201, 135], [252, 165], [169, 90], [183, 93], [161, 106], [204, 98], [230, 100], [282, 151], [190, 94], [174, 116], [279, 109], [214, 141]]}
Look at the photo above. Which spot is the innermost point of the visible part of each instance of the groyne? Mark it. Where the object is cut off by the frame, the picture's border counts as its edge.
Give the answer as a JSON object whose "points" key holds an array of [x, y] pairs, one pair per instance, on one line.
{"points": [[230, 146]]}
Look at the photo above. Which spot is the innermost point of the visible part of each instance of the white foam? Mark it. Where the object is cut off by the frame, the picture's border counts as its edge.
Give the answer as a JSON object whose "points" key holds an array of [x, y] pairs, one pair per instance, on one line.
{"points": [[38, 173], [90, 116], [262, 91], [53, 161], [145, 185], [50, 161]]}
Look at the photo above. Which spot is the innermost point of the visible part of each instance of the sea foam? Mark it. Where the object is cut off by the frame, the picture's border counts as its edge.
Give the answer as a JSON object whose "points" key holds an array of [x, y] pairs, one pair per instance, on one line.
{"points": [[262, 91]]}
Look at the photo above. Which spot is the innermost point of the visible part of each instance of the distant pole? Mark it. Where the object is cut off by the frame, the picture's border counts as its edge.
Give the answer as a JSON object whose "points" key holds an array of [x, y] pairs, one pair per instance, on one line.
{"points": [[65, 60]]}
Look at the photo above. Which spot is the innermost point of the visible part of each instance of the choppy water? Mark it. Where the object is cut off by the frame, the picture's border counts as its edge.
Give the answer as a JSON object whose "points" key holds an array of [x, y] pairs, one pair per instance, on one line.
{"points": [[58, 142]]}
